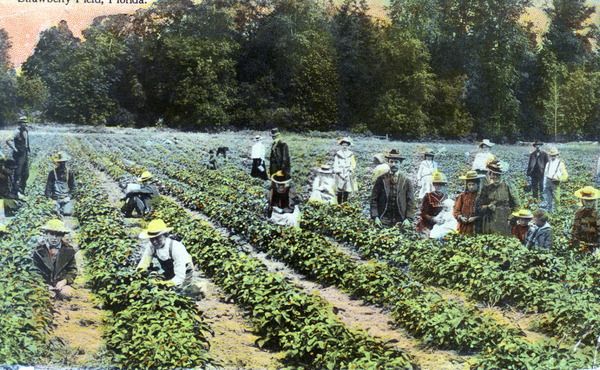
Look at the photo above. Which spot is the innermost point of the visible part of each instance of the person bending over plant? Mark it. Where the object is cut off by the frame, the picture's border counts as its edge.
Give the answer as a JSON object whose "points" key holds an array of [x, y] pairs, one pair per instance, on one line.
{"points": [[174, 262], [60, 185], [139, 196], [54, 259]]}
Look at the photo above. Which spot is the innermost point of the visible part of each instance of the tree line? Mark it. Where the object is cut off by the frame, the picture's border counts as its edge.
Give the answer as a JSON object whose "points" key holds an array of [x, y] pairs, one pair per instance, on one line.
{"points": [[431, 69]]}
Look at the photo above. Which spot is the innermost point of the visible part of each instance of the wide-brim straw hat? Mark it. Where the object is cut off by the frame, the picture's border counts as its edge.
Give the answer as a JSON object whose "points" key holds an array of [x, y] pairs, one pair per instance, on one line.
{"points": [[155, 228], [61, 157], [588, 192], [325, 169], [553, 151], [471, 176], [346, 140], [428, 152], [55, 225], [146, 175], [438, 178], [486, 142], [523, 213], [280, 178], [394, 154]]}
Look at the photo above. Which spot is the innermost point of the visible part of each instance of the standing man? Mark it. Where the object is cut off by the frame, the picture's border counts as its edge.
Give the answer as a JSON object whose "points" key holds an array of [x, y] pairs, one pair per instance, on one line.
{"points": [[54, 259], [496, 202], [60, 185], [20, 148], [585, 232], [9, 199], [483, 157], [392, 198], [464, 207], [555, 172], [258, 159], [535, 169], [279, 159], [344, 165]]}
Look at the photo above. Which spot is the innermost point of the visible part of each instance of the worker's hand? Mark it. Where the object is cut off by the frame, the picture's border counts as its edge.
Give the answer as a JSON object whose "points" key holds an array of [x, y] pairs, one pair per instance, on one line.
{"points": [[471, 219], [61, 284], [406, 223], [378, 221]]}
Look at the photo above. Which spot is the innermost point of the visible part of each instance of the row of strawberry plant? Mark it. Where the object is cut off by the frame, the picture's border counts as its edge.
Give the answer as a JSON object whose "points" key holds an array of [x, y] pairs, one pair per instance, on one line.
{"points": [[474, 265], [25, 307], [151, 326], [285, 317], [415, 307]]}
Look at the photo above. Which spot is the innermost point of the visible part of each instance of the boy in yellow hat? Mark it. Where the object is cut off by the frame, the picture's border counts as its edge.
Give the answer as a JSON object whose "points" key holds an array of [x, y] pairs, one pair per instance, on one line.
{"points": [[139, 196], [54, 259], [586, 223], [60, 185], [520, 225]]}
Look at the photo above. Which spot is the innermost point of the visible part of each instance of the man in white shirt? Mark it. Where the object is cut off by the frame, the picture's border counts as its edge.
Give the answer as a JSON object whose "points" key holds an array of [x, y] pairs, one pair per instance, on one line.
{"points": [[258, 159], [483, 157], [175, 261], [555, 173]]}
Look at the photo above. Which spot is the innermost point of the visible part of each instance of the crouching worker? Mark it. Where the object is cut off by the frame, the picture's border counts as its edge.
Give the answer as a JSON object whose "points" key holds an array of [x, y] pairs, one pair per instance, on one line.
{"points": [[54, 259], [173, 259], [139, 197], [60, 185], [282, 207]]}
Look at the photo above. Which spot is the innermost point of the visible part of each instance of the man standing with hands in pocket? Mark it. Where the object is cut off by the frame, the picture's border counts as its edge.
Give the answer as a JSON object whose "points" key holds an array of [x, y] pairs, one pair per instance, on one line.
{"points": [[392, 198]]}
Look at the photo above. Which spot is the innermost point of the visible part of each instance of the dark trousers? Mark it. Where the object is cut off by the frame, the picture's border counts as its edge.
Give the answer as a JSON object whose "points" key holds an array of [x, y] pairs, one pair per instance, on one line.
{"points": [[138, 203], [21, 173], [342, 196], [537, 186]]}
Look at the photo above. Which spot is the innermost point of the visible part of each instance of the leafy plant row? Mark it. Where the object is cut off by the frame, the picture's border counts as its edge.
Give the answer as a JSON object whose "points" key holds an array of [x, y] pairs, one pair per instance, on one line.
{"points": [[440, 322], [301, 324], [480, 266], [151, 327], [25, 304]]}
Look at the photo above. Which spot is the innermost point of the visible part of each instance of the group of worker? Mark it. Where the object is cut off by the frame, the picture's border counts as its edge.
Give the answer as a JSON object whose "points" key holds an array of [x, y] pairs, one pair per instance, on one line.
{"points": [[488, 204]]}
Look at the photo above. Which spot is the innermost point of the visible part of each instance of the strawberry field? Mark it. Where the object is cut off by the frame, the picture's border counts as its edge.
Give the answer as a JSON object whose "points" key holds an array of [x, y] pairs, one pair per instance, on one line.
{"points": [[294, 296]]}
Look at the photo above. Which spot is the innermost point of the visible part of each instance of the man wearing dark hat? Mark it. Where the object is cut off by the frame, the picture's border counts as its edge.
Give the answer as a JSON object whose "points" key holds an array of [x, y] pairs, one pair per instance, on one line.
{"points": [[279, 159], [54, 259], [20, 149], [392, 198], [60, 185], [496, 202], [535, 169]]}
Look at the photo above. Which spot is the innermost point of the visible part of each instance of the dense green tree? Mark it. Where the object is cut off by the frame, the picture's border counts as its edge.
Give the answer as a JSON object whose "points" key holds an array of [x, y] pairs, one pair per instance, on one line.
{"points": [[8, 107], [571, 33], [32, 94]]}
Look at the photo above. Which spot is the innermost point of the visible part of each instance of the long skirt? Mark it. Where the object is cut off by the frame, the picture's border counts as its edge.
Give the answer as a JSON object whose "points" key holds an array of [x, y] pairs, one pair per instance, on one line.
{"points": [[258, 169]]}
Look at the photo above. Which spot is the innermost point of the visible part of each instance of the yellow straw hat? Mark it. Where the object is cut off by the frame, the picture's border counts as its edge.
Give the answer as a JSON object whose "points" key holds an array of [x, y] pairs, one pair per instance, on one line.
{"points": [[146, 175], [471, 176], [523, 213], [553, 151], [438, 178], [155, 228], [56, 226], [588, 192]]}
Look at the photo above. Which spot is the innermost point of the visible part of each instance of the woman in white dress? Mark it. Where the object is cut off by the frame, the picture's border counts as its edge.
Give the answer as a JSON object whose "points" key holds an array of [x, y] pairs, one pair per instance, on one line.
{"points": [[324, 186], [344, 165], [424, 175]]}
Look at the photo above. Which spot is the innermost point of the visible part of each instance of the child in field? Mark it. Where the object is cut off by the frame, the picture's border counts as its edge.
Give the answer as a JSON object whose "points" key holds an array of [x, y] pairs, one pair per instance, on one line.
{"points": [[464, 207], [540, 234], [426, 169], [521, 224], [432, 203]]}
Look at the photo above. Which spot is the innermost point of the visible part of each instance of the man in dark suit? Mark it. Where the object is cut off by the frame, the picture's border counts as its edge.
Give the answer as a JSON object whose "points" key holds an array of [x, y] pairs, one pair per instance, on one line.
{"points": [[535, 169], [54, 259], [392, 198], [279, 160]]}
